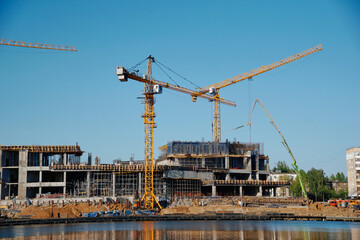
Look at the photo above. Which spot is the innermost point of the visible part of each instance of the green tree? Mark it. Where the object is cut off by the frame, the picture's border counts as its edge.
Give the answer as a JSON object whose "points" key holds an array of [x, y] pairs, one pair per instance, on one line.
{"points": [[318, 187], [340, 176], [295, 187], [342, 194], [283, 167]]}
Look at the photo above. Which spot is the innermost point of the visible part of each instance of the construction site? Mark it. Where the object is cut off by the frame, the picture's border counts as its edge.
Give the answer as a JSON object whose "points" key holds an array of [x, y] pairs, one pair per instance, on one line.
{"points": [[188, 177], [183, 169]]}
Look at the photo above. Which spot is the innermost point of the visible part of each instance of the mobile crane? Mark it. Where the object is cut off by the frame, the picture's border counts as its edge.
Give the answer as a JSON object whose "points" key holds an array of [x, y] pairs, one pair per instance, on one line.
{"points": [[294, 164]]}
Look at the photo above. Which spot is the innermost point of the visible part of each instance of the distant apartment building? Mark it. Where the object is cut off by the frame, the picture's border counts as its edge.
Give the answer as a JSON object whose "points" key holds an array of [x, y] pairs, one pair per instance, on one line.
{"points": [[282, 191], [353, 171], [339, 186]]}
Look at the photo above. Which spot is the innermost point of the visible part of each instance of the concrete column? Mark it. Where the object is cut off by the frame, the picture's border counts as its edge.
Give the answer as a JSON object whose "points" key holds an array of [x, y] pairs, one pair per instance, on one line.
{"points": [[241, 191], [227, 162], [65, 159], [23, 160], [113, 184], [272, 192], [213, 191], [248, 161], [203, 162], [88, 184], [139, 188], [64, 190], [40, 159], [40, 172], [259, 194], [40, 180], [227, 177], [257, 166]]}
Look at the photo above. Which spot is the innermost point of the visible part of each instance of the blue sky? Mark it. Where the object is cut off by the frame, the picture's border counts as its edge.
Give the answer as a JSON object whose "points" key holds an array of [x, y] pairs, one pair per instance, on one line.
{"points": [[60, 98]]}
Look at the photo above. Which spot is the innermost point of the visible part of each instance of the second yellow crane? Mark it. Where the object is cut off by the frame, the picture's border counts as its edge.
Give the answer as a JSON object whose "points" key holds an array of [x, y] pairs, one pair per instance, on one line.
{"points": [[215, 88]]}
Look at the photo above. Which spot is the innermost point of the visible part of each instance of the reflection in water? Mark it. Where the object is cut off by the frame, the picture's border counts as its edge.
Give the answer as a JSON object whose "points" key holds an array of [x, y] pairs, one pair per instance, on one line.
{"points": [[188, 230]]}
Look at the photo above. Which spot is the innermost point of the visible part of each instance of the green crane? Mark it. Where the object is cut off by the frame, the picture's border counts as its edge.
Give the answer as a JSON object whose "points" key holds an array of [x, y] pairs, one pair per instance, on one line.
{"points": [[283, 141]]}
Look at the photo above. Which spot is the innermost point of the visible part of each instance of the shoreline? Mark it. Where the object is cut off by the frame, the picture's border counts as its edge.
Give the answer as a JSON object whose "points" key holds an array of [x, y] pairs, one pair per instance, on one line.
{"points": [[176, 217]]}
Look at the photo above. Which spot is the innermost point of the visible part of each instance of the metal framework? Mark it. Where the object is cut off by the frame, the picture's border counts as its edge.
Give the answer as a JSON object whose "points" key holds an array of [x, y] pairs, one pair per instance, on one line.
{"points": [[217, 86], [36, 45], [216, 124], [149, 122]]}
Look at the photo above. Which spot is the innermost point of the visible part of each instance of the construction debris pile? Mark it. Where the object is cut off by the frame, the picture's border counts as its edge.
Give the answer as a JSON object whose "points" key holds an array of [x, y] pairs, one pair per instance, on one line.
{"points": [[257, 206], [67, 210]]}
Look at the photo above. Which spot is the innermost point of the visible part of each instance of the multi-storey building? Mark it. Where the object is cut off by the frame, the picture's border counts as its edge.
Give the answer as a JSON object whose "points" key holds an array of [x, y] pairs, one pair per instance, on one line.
{"points": [[353, 171], [183, 169]]}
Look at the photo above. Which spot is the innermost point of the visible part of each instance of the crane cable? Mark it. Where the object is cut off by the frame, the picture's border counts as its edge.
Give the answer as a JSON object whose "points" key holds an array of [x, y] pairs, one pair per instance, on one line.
{"points": [[197, 86], [166, 73], [138, 64]]}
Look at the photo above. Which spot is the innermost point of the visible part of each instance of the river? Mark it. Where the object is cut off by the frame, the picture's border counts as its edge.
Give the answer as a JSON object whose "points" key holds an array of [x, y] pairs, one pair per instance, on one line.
{"points": [[187, 230]]}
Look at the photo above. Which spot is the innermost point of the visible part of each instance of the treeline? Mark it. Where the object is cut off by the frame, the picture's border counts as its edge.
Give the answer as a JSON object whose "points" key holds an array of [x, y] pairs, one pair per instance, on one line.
{"points": [[317, 184]]}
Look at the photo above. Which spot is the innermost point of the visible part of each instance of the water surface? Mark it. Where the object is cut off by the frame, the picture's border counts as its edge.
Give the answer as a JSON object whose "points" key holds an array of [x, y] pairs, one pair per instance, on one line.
{"points": [[187, 230]]}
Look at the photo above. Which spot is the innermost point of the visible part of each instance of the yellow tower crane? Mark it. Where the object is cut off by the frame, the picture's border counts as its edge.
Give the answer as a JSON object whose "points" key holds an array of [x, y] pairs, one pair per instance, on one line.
{"points": [[215, 88], [151, 87], [36, 45]]}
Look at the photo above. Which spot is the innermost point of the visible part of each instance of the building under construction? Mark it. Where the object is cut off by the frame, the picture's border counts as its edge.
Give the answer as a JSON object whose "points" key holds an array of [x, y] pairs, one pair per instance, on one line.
{"points": [[183, 169]]}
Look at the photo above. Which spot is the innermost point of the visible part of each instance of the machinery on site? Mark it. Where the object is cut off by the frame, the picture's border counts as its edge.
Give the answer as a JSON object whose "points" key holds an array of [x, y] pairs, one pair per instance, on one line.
{"points": [[296, 168], [215, 88], [152, 87], [36, 45]]}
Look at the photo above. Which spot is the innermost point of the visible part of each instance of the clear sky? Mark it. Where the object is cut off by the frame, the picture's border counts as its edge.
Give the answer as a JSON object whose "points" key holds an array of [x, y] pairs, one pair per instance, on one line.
{"points": [[60, 98]]}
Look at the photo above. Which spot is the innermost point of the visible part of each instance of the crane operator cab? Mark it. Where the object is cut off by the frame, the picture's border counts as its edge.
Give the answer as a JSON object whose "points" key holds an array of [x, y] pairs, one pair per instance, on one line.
{"points": [[122, 74], [157, 89]]}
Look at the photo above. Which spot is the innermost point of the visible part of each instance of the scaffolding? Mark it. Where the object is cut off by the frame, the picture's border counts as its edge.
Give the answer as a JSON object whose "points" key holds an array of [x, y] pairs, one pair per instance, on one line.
{"points": [[101, 184], [128, 183], [182, 188]]}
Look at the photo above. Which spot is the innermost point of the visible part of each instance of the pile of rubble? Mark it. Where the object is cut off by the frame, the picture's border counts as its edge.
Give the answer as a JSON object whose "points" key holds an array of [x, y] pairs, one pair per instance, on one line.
{"points": [[66, 210]]}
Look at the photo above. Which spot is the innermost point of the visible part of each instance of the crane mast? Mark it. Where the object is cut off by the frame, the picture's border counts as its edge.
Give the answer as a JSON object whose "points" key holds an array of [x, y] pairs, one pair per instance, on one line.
{"points": [[149, 122], [216, 124]]}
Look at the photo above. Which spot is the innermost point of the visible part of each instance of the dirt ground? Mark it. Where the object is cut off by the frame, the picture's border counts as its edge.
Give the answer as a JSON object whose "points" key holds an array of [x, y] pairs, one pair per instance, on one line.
{"points": [[315, 209], [67, 211], [73, 210]]}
